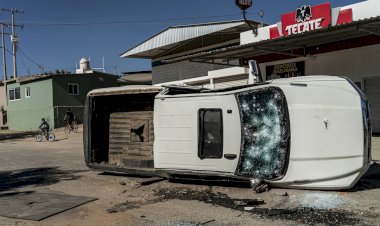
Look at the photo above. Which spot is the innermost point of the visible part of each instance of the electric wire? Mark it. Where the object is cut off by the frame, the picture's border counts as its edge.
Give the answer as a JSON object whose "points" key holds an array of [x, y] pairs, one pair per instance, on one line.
{"points": [[47, 24], [23, 62], [34, 62]]}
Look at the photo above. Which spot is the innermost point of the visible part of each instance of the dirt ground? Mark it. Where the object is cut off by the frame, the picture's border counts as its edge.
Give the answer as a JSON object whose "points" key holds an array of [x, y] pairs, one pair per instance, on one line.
{"points": [[26, 165]]}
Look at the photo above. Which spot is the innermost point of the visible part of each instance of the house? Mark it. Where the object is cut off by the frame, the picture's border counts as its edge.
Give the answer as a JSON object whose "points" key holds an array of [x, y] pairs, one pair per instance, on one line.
{"points": [[48, 96]]}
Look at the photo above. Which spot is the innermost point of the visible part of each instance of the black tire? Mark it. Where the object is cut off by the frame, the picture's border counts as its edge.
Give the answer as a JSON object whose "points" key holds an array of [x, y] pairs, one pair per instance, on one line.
{"points": [[51, 137], [39, 137]]}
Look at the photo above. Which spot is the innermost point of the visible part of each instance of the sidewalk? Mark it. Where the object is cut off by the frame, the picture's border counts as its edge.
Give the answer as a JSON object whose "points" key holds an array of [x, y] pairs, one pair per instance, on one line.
{"points": [[10, 135], [15, 135]]}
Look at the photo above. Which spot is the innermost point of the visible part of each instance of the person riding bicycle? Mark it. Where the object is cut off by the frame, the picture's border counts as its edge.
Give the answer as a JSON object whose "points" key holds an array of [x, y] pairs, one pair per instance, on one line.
{"points": [[44, 127], [70, 117]]}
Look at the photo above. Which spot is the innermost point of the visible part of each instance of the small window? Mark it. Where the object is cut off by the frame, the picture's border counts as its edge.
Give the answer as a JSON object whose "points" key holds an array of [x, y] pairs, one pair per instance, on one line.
{"points": [[73, 89], [14, 94], [27, 92], [210, 143]]}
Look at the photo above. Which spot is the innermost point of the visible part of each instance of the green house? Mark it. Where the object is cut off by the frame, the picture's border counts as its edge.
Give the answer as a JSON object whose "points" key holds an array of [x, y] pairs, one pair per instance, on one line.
{"points": [[48, 96]]}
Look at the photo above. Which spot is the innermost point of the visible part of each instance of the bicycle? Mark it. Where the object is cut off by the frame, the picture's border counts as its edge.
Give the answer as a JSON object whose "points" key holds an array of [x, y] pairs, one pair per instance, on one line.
{"points": [[73, 127], [41, 134]]}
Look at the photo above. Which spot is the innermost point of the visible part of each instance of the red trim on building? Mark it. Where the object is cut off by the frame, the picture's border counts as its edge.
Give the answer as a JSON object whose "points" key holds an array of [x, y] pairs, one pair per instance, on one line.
{"points": [[274, 33], [345, 16]]}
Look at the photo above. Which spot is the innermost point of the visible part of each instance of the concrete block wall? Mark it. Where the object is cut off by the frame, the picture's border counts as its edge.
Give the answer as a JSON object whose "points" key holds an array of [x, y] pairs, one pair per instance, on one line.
{"points": [[182, 70]]}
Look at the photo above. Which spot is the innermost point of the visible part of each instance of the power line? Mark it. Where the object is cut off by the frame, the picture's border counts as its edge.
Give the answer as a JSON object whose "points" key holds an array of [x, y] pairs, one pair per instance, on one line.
{"points": [[23, 62], [34, 62], [8, 50], [48, 24]]}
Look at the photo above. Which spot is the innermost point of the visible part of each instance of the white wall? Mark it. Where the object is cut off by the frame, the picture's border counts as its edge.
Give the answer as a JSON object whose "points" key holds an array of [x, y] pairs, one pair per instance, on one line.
{"points": [[356, 63], [363, 10]]}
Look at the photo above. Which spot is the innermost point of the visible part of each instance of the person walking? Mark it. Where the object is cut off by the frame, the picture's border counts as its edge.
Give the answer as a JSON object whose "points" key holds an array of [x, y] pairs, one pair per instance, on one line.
{"points": [[69, 117]]}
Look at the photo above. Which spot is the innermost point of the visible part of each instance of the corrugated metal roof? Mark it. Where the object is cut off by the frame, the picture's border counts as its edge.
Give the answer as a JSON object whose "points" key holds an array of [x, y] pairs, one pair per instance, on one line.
{"points": [[179, 34]]}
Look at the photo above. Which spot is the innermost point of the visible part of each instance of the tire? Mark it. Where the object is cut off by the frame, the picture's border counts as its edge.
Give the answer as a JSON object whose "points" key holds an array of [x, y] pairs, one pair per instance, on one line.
{"points": [[75, 127], [51, 137], [39, 137], [67, 128]]}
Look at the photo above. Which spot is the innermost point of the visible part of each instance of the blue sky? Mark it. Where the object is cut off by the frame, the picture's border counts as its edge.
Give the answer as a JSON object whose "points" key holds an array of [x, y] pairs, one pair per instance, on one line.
{"points": [[58, 33]]}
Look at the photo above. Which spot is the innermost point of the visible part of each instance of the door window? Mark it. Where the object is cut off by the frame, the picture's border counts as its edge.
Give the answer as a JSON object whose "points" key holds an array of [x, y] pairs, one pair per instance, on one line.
{"points": [[210, 133]]}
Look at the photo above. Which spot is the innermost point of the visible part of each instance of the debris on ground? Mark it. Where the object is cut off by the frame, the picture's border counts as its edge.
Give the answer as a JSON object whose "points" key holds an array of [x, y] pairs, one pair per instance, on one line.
{"points": [[262, 188], [151, 180], [259, 186], [321, 200], [284, 194], [250, 202]]}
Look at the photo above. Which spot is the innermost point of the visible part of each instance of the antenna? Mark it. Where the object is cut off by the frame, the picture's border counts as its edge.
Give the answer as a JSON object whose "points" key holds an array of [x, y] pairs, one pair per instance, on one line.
{"points": [[102, 68]]}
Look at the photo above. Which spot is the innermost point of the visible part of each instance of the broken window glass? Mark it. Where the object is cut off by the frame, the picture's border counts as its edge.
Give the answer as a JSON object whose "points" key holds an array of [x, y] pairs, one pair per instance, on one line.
{"points": [[264, 133]]}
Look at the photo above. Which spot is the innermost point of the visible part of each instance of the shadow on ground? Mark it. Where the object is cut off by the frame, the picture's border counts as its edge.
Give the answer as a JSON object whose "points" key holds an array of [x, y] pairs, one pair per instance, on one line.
{"points": [[34, 177], [16, 135], [212, 181], [371, 180]]}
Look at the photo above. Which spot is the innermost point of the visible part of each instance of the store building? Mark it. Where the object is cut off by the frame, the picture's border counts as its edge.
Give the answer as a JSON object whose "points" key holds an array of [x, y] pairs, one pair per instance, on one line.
{"points": [[311, 40], [317, 40]]}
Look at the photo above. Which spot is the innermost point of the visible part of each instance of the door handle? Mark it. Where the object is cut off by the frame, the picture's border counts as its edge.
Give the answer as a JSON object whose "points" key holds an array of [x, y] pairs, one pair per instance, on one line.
{"points": [[230, 156]]}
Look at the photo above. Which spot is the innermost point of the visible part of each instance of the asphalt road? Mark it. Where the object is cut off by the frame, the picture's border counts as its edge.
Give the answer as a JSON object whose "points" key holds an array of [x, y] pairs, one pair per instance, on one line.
{"points": [[26, 165]]}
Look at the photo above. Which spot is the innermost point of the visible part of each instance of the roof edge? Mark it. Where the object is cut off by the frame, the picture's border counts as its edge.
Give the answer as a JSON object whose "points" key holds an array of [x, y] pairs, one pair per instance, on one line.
{"points": [[184, 26]]}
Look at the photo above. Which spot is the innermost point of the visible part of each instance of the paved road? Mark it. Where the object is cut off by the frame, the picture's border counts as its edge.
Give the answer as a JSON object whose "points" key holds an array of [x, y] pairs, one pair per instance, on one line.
{"points": [[26, 165]]}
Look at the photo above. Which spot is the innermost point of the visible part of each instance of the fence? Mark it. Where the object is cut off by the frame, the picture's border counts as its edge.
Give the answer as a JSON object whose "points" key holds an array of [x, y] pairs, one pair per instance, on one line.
{"points": [[60, 112]]}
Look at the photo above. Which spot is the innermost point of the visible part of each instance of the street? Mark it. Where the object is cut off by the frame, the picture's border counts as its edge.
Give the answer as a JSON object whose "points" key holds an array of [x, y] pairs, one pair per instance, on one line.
{"points": [[26, 165]]}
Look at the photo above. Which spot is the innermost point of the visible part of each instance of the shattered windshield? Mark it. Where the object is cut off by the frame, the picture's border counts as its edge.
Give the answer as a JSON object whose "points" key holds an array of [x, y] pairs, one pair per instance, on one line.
{"points": [[264, 133]]}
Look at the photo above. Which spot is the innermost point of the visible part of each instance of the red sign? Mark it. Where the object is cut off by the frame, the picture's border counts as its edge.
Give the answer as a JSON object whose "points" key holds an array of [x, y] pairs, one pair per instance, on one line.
{"points": [[243, 4], [306, 18]]}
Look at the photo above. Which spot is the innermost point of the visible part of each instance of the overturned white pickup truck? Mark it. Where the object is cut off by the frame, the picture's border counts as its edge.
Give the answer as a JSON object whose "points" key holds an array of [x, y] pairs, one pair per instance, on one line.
{"points": [[309, 132]]}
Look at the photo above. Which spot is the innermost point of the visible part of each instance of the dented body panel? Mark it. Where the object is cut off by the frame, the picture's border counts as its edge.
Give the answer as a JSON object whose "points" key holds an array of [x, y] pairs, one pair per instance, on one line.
{"points": [[308, 132]]}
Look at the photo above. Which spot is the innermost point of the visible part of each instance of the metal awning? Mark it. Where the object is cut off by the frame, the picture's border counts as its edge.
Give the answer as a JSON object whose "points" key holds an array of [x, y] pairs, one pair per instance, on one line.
{"points": [[285, 45], [179, 35]]}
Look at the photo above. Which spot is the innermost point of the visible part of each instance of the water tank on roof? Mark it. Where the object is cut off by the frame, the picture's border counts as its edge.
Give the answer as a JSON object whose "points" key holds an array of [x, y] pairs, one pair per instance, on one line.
{"points": [[84, 64]]}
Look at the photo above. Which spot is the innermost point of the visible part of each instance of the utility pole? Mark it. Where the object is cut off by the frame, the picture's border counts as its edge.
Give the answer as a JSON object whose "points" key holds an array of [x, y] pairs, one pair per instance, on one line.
{"points": [[3, 49], [14, 38]]}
